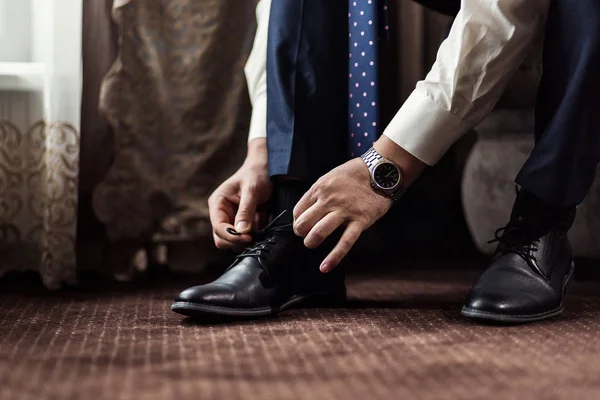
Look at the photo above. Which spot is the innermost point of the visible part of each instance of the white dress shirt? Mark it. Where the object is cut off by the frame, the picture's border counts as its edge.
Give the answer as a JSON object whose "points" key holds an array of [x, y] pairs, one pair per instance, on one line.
{"points": [[487, 43]]}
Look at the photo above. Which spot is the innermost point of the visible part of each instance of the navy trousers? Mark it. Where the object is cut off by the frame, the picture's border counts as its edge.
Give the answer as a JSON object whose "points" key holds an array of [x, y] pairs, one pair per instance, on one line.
{"points": [[307, 87], [307, 95], [562, 166]]}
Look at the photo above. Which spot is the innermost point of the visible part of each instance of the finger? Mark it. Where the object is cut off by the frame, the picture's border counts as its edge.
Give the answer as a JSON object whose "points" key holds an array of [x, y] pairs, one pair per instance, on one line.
{"points": [[309, 218], [222, 232], [322, 230], [231, 242], [221, 244], [341, 249], [246, 211], [304, 204], [221, 213]]}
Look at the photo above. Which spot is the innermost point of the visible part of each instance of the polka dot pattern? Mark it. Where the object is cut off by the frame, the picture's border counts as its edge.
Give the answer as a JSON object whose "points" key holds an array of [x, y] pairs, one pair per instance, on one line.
{"points": [[363, 81]]}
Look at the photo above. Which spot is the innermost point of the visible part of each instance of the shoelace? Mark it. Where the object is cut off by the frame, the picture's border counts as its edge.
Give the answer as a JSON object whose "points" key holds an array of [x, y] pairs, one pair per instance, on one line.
{"points": [[525, 247], [263, 239]]}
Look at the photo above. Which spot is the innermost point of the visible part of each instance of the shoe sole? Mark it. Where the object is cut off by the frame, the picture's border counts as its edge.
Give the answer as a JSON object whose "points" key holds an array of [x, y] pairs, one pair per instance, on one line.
{"points": [[322, 300], [494, 318]]}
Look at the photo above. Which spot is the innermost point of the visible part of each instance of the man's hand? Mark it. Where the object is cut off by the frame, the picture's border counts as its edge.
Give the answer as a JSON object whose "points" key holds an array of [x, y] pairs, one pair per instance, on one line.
{"points": [[344, 196], [234, 204]]}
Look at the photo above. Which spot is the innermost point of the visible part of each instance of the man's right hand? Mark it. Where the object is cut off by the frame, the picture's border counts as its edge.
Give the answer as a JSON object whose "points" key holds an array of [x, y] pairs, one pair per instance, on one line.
{"points": [[234, 204]]}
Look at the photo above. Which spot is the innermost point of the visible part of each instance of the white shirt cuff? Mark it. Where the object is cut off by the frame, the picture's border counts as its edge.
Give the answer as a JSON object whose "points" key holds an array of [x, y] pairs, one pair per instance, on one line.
{"points": [[424, 129]]}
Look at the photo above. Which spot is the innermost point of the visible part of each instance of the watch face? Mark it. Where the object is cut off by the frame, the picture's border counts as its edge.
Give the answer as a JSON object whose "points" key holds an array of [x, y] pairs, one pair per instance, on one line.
{"points": [[386, 175]]}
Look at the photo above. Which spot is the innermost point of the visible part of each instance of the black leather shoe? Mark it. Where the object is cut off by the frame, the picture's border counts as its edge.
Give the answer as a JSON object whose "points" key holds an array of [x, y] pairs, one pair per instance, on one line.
{"points": [[276, 273], [533, 264]]}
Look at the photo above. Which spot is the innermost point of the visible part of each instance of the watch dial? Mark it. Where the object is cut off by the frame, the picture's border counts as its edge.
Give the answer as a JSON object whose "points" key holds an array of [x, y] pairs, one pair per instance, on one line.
{"points": [[386, 175]]}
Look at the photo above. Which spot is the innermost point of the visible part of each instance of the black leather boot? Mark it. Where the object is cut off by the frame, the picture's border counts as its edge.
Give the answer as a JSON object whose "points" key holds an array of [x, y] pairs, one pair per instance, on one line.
{"points": [[529, 273], [277, 272]]}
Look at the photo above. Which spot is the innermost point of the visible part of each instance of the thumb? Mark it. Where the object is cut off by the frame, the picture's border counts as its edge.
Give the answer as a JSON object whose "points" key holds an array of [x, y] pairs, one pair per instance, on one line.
{"points": [[246, 211]]}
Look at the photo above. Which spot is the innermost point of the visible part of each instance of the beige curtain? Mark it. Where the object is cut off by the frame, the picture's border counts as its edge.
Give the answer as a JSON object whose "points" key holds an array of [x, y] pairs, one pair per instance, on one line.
{"points": [[40, 92], [177, 104], [100, 44]]}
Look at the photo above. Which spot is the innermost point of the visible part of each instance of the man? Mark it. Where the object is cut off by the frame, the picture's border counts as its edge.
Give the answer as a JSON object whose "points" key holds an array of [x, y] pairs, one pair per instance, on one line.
{"points": [[304, 92]]}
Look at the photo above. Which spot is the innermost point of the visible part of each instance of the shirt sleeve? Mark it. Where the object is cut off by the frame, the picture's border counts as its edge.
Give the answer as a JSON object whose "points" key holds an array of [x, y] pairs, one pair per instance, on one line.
{"points": [[256, 72], [487, 43]]}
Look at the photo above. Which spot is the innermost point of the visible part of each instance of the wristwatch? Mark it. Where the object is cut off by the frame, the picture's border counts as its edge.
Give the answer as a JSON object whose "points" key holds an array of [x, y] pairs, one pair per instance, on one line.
{"points": [[386, 177]]}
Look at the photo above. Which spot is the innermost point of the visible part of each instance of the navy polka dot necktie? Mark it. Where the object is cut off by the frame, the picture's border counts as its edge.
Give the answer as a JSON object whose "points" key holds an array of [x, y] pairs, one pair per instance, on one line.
{"points": [[365, 20]]}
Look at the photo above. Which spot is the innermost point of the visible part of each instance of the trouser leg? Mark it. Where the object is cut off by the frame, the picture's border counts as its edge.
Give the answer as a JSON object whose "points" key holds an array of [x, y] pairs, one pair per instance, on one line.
{"points": [[307, 93], [562, 166]]}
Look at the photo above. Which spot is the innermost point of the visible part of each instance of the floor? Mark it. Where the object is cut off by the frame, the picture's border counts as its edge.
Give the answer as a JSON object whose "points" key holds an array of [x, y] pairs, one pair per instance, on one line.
{"points": [[401, 337]]}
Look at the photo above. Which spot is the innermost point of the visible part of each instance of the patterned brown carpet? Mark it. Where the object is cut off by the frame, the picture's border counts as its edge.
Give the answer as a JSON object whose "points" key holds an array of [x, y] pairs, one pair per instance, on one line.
{"points": [[401, 337]]}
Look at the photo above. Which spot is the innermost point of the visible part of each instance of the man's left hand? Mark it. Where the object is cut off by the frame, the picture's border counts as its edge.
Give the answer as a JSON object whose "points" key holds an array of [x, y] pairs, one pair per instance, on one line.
{"points": [[343, 196]]}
